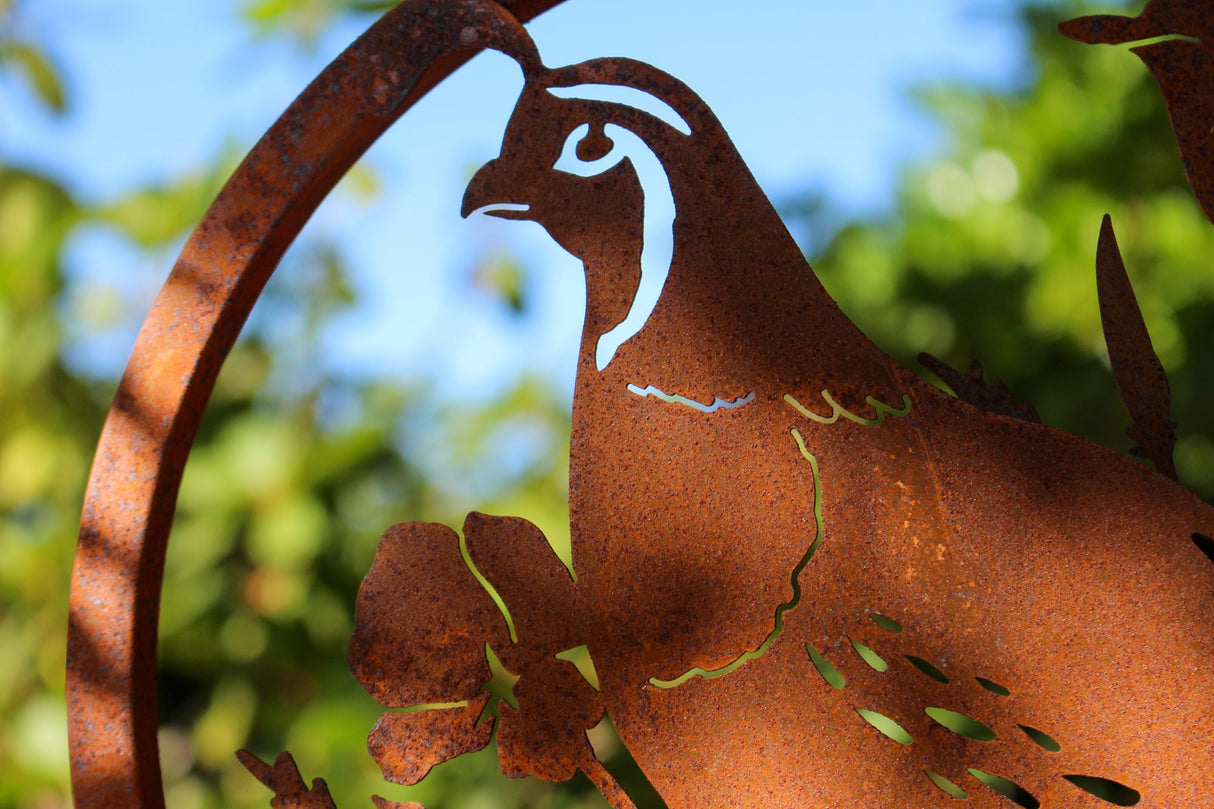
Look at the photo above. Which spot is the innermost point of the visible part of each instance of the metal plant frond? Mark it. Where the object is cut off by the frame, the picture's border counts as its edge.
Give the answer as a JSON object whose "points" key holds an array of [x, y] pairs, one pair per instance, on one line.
{"points": [[802, 576]]}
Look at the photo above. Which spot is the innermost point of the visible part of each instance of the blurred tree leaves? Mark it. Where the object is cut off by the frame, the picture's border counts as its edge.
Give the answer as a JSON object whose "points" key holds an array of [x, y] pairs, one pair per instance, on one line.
{"points": [[47, 420], [990, 250], [502, 277], [50, 417], [154, 215], [36, 68]]}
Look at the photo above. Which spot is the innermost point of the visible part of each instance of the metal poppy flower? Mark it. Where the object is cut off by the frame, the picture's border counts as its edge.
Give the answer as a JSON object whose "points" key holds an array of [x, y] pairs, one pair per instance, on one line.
{"points": [[424, 626]]}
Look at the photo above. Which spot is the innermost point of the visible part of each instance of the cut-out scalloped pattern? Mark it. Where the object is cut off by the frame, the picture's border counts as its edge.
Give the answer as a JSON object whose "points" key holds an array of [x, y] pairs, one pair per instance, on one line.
{"points": [[961, 724], [673, 398], [501, 683], [1106, 789], [778, 629], [885, 622], [829, 673], [993, 687], [928, 669], [579, 656], [886, 725], [964, 726], [946, 785], [1007, 788], [874, 660], [838, 411], [1043, 739]]}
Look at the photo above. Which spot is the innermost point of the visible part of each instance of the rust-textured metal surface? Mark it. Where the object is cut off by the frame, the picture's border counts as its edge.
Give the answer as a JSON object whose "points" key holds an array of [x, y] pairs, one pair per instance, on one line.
{"points": [[972, 387], [283, 778], [111, 687], [424, 630], [290, 792], [1136, 367], [1184, 67], [805, 577], [802, 576]]}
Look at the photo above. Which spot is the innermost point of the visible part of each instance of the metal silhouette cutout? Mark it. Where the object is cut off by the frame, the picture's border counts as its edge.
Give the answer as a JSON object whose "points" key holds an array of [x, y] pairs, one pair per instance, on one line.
{"points": [[802, 575]]}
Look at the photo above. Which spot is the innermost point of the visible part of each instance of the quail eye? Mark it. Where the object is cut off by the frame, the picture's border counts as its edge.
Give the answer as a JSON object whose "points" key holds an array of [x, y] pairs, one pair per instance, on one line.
{"points": [[595, 145], [588, 150]]}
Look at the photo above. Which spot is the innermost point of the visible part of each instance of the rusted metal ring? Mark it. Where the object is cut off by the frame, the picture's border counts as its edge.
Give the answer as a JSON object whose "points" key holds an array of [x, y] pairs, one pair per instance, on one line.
{"points": [[132, 491]]}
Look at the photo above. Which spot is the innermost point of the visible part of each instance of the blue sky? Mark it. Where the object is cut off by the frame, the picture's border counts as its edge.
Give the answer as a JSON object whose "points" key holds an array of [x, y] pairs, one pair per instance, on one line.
{"points": [[811, 92]]}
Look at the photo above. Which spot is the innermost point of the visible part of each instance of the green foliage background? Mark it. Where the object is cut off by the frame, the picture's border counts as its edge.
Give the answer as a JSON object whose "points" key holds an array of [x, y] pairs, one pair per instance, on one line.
{"points": [[989, 253]]}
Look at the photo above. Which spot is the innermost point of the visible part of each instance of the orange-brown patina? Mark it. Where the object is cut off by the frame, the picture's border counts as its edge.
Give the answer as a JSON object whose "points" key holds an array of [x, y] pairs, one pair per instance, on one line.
{"points": [[804, 576]]}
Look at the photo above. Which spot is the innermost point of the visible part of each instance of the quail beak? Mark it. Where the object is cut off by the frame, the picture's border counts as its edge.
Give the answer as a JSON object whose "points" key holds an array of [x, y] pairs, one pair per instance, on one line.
{"points": [[488, 193], [1110, 29]]}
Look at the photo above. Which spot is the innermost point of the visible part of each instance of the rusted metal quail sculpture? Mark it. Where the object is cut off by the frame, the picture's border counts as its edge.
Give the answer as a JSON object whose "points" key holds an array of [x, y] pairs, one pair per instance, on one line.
{"points": [[802, 576]]}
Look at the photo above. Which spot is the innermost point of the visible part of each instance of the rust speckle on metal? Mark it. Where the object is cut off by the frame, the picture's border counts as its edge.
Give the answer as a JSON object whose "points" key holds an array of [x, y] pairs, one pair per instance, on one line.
{"points": [[1139, 373], [283, 778], [972, 387], [437, 655], [750, 424], [424, 629], [407, 745], [751, 481]]}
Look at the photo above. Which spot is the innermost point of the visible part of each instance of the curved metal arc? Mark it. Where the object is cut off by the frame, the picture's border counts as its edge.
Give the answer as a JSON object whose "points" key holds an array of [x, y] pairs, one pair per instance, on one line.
{"points": [[132, 491]]}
